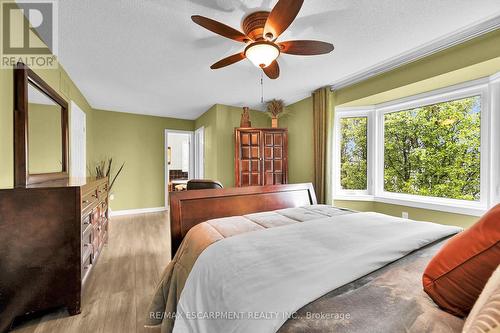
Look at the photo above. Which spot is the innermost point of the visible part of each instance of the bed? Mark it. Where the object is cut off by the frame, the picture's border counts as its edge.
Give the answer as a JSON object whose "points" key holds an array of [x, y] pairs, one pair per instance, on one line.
{"points": [[221, 271]]}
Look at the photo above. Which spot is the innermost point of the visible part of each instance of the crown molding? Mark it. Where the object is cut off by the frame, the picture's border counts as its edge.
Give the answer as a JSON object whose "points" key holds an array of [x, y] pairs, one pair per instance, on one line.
{"points": [[458, 37], [495, 78]]}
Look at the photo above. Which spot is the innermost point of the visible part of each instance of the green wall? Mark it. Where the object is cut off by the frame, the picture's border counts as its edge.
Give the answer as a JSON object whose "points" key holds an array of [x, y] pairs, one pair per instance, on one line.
{"points": [[220, 122], [6, 129], [299, 122], [413, 213], [139, 141], [44, 138], [208, 120]]}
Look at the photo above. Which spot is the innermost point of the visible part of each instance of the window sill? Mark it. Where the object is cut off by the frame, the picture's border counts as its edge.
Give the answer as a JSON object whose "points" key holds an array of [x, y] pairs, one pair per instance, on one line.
{"points": [[354, 197], [429, 203]]}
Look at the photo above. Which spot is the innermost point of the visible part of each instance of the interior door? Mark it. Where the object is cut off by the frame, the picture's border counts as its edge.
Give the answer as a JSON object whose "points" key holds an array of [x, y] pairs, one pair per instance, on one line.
{"points": [[78, 142]]}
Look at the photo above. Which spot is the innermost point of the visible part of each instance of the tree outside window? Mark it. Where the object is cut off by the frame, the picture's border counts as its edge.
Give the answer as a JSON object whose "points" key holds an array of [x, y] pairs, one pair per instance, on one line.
{"points": [[431, 151], [353, 153]]}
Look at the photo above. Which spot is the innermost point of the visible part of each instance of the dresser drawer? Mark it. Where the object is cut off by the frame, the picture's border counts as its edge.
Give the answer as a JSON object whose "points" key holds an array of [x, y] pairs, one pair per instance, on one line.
{"points": [[89, 201], [87, 238], [102, 191], [95, 216], [103, 207], [104, 223], [86, 266], [96, 231], [86, 221], [104, 239]]}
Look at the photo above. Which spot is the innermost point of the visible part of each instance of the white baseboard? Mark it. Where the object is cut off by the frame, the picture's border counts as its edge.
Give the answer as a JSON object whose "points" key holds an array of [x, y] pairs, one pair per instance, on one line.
{"points": [[137, 211]]}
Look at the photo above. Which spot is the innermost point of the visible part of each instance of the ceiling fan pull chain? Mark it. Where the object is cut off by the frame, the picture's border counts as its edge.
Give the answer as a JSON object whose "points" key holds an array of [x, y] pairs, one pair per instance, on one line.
{"points": [[261, 87]]}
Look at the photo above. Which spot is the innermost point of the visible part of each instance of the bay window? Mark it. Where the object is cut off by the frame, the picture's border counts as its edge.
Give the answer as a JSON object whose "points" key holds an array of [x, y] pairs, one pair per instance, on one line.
{"points": [[433, 150]]}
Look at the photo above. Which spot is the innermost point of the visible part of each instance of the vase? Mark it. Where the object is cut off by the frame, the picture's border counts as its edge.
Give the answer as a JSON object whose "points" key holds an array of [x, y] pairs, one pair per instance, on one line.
{"points": [[274, 122], [245, 118]]}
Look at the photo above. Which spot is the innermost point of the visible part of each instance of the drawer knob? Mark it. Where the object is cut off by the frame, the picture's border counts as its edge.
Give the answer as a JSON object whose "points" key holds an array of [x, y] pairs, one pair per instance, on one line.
{"points": [[85, 201]]}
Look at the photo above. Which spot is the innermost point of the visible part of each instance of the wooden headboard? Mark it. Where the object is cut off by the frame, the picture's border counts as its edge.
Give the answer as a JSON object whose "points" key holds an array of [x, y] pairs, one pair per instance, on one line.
{"points": [[188, 208]]}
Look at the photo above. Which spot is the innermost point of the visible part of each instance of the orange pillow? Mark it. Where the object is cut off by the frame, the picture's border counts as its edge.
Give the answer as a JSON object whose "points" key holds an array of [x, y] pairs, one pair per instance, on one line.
{"points": [[457, 274]]}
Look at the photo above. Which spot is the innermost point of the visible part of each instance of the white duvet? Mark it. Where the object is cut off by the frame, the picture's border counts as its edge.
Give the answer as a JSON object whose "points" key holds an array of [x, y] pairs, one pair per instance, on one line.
{"points": [[255, 281]]}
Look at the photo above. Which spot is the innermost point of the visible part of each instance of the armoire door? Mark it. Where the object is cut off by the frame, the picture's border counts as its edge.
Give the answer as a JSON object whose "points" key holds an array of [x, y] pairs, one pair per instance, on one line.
{"points": [[249, 158], [274, 147]]}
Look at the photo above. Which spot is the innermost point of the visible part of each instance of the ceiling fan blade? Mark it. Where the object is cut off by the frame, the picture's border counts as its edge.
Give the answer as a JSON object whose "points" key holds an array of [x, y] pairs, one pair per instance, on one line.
{"points": [[228, 61], [281, 17], [305, 47], [273, 70], [220, 28]]}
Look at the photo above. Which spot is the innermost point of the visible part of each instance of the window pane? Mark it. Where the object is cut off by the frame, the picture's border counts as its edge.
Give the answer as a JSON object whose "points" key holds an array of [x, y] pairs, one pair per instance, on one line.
{"points": [[353, 153], [434, 150]]}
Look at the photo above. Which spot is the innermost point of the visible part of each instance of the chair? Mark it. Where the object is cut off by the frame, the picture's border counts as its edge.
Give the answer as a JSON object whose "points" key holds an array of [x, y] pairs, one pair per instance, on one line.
{"points": [[203, 184]]}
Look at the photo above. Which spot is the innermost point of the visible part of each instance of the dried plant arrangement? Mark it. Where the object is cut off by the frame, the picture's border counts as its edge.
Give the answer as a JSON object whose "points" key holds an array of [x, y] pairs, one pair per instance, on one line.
{"points": [[276, 108], [104, 168]]}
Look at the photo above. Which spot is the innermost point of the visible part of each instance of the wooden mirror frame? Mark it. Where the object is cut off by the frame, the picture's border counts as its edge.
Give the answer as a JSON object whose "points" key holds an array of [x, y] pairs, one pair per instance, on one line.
{"points": [[23, 76]]}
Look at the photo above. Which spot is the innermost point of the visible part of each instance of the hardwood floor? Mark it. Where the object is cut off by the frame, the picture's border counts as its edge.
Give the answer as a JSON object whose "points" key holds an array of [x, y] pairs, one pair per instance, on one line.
{"points": [[118, 291]]}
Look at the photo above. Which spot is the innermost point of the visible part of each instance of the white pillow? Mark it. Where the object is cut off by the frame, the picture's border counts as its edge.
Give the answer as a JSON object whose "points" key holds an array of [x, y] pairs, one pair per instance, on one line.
{"points": [[485, 315]]}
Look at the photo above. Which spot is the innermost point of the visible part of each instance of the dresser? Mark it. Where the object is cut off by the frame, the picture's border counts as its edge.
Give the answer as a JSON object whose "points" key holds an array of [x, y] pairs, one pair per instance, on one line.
{"points": [[51, 236], [261, 156]]}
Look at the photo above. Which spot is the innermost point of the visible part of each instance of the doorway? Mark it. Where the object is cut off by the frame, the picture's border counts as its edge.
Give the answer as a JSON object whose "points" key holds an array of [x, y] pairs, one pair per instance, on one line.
{"points": [[179, 161]]}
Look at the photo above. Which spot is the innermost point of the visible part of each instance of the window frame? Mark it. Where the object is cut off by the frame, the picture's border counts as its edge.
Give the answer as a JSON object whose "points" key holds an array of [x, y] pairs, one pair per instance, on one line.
{"points": [[354, 113], [486, 88]]}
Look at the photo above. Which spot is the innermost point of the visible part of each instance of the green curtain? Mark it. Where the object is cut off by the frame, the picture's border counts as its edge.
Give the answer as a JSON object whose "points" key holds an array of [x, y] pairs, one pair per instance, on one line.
{"points": [[323, 109]]}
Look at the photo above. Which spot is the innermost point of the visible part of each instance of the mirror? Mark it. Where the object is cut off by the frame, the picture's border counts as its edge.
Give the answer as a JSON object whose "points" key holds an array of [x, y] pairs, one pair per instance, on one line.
{"points": [[44, 133], [40, 130]]}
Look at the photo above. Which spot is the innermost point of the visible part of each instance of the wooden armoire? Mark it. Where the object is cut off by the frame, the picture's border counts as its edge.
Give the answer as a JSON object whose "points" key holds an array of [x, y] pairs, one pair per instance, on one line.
{"points": [[261, 156]]}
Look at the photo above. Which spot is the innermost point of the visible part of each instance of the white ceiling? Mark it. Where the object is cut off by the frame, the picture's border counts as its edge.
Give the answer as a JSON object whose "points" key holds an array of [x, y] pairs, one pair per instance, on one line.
{"points": [[148, 57]]}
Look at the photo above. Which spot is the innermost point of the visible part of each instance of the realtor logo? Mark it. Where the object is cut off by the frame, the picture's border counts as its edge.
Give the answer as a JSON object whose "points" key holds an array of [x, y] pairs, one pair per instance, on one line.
{"points": [[29, 33]]}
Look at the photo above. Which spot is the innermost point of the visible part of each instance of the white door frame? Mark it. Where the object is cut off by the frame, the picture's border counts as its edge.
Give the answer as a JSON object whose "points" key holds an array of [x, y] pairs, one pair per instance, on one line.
{"points": [[78, 158], [199, 148], [165, 160]]}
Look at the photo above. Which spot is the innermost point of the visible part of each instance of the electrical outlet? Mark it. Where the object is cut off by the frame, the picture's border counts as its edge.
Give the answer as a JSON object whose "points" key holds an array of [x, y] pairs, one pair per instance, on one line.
{"points": [[111, 197], [404, 215]]}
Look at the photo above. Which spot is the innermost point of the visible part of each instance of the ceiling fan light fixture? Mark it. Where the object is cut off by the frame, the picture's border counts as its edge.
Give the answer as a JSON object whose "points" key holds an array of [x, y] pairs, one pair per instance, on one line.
{"points": [[262, 53], [261, 30]]}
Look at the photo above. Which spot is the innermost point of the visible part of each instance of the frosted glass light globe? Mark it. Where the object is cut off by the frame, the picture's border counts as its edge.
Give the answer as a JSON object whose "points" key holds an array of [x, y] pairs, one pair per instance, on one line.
{"points": [[262, 54]]}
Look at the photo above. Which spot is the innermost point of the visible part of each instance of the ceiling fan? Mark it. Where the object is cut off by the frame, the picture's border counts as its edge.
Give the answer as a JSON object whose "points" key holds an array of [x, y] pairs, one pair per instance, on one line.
{"points": [[261, 29]]}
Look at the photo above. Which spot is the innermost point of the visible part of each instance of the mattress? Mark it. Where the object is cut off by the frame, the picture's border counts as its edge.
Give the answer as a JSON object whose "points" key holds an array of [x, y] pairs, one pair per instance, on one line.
{"points": [[387, 300]]}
